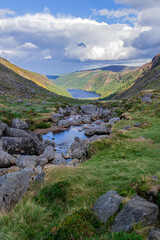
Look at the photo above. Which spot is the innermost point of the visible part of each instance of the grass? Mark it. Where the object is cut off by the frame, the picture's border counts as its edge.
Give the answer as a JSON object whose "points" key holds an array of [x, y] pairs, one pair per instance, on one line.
{"points": [[118, 163]]}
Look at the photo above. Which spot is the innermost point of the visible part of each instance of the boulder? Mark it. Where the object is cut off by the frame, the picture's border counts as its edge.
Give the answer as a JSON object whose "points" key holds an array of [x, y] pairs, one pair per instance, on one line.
{"points": [[26, 161], [78, 143], [19, 145], [39, 178], [73, 163], [79, 153], [147, 98], [49, 153], [86, 119], [107, 205], [12, 187], [154, 234], [14, 132], [60, 161], [113, 120], [97, 130], [3, 128], [38, 170], [18, 123], [88, 109], [56, 117], [29, 171], [136, 211], [64, 123], [6, 160]]}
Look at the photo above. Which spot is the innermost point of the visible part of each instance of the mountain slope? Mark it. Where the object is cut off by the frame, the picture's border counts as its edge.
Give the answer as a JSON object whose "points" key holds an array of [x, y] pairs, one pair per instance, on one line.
{"points": [[115, 85], [39, 79]]}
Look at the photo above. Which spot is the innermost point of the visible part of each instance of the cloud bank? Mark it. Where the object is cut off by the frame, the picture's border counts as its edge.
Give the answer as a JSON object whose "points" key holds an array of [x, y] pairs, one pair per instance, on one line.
{"points": [[37, 37]]}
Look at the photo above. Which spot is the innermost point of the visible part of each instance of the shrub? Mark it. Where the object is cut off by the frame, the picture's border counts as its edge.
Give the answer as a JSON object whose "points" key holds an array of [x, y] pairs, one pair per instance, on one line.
{"points": [[79, 225], [53, 192], [43, 125]]}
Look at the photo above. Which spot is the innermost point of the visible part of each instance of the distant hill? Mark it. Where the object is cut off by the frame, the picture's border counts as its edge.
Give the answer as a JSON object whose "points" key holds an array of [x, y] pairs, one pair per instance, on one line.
{"points": [[11, 75], [112, 84], [52, 77], [114, 68]]}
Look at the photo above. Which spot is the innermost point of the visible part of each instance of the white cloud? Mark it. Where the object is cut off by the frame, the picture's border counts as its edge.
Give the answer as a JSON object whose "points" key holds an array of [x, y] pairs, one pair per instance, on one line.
{"points": [[47, 57], [141, 4], [44, 36], [4, 12], [126, 14], [29, 45]]}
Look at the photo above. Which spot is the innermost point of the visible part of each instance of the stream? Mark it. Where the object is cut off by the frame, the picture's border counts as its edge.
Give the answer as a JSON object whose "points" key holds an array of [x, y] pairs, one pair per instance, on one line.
{"points": [[64, 139]]}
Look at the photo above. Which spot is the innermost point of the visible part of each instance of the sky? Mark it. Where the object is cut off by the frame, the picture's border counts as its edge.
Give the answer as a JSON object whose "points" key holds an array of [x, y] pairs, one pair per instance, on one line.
{"points": [[61, 36]]}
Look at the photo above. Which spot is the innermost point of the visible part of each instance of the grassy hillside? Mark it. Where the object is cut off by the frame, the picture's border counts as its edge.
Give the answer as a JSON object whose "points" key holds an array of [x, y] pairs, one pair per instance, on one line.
{"points": [[115, 85], [124, 163], [39, 79]]}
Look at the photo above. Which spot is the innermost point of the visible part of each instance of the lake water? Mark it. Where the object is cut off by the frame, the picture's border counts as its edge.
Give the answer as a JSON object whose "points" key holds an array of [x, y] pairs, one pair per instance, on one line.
{"points": [[78, 93], [64, 139]]}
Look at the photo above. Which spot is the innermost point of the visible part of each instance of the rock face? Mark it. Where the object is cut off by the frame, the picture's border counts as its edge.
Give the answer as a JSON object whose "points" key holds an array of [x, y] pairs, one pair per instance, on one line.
{"points": [[137, 210], [6, 160], [97, 130], [18, 123], [107, 205], [12, 187], [154, 234]]}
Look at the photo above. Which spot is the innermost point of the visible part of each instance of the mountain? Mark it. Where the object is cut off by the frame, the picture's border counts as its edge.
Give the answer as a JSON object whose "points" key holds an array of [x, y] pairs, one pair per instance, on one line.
{"points": [[113, 68], [12, 76], [115, 84]]}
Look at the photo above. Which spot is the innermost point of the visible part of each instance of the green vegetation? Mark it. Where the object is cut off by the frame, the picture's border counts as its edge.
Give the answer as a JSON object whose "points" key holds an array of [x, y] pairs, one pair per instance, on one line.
{"points": [[19, 75], [125, 163]]}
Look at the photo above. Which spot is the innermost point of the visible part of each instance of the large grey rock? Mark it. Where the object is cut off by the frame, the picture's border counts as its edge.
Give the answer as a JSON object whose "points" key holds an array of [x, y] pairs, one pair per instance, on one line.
{"points": [[14, 132], [73, 163], [6, 160], [88, 109], [19, 145], [56, 117], [60, 161], [97, 130], [49, 153], [40, 178], [12, 187], [26, 161], [3, 128], [147, 98], [86, 119], [107, 205], [113, 120], [79, 153], [18, 123], [79, 143], [154, 234], [64, 123], [136, 211]]}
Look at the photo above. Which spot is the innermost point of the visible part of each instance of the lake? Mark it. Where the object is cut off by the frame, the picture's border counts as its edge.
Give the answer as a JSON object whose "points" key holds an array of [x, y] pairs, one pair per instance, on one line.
{"points": [[78, 93]]}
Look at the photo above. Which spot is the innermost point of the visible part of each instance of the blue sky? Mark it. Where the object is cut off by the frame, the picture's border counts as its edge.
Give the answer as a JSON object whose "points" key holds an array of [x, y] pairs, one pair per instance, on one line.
{"points": [[55, 37]]}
